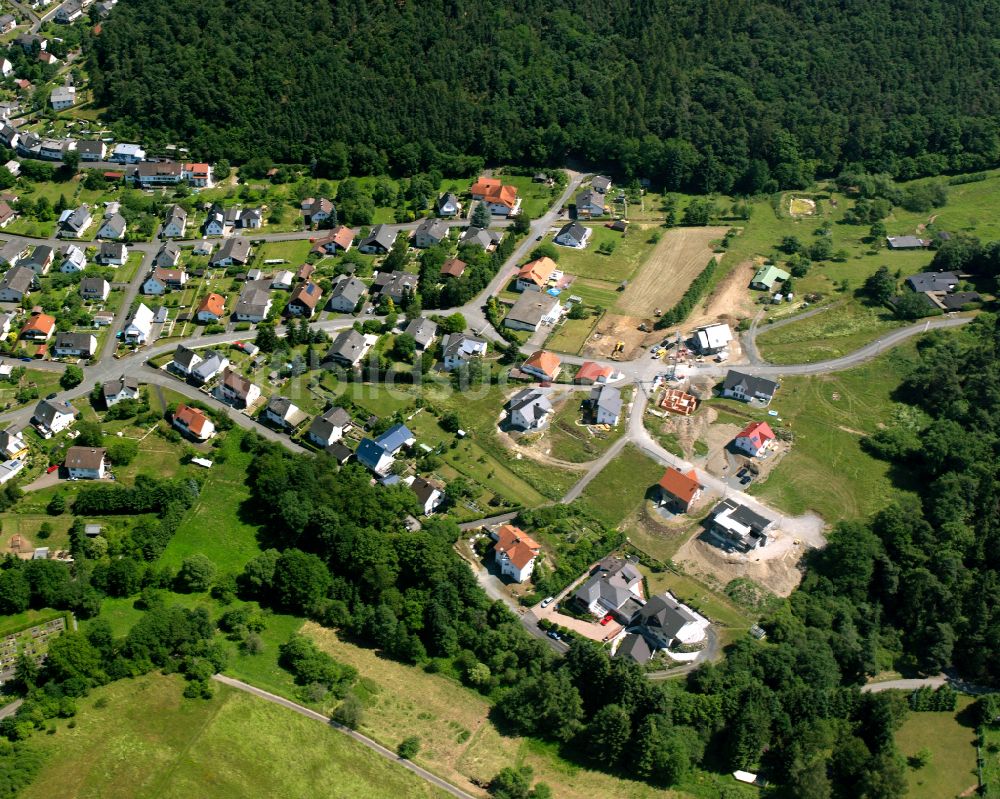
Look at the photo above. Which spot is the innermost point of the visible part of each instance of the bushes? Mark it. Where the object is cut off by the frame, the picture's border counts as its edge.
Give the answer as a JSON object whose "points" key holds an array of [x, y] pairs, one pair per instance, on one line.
{"points": [[310, 666], [691, 297]]}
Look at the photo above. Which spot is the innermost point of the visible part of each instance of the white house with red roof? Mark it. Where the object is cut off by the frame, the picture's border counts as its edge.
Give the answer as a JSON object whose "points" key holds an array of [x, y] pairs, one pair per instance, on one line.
{"points": [[515, 552], [755, 439], [680, 490]]}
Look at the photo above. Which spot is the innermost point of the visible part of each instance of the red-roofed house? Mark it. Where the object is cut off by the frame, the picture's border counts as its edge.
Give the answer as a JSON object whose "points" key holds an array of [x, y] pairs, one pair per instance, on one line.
{"points": [[754, 439], [679, 490], [39, 327], [535, 275], [211, 308], [543, 365], [453, 268], [515, 552], [339, 239], [502, 200], [199, 175], [193, 422], [590, 373]]}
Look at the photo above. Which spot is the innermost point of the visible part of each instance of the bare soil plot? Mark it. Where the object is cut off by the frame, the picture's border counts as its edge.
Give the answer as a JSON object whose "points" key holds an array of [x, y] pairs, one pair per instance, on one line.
{"points": [[678, 258], [730, 301], [614, 328], [801, 206]]}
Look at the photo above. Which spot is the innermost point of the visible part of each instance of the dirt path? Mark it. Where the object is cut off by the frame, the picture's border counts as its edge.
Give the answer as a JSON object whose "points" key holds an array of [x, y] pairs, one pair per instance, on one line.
{"points": [[677, 259], [537, 455]]}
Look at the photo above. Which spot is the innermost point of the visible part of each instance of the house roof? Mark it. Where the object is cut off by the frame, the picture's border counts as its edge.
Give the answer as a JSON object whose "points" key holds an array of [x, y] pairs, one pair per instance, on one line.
{"points": [[479, 237], [18, 278], [192, 418], [335, 418], [395, 437], [166, 275], [751, 384], [177, 215], [115, 223], [607, 399], [307, 295], [517, 545], [768, 275], [254, 298], [447, 199], [347, 346], [168, 253], [574, 230], [682, 485], [41, 322], [435, 228], [85, 457], [211, 363], [530, 403], [185, 357], [538, 271], [459, 345], [757, 432], [339, 451], [665, 614], [453, 267], [587, 197], [424, 489], [282, 278], [395, 284], [612, 582], [544, 361], [933, 281], [591, 371], [713, 337], [350, 288], [213, 303], [93, 285], [484, 185], [531, 306], [237, 248], [114, 387], [906, 242], [47, 410], [341, 235], [601, 183], [112, 249], [423, 330], [634, 646], [236, 383], [382, 235], [75, 341], [370, 452]]}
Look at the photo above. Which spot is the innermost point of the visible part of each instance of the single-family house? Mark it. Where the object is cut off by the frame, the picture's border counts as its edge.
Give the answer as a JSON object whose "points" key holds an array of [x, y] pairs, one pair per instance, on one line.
{"points": [[215, 221], [53, 149], [448, 205], [62, 97], [458, 349], [39, 327], [185, 360], [529, 409], [679, 490], [429, 233], [606, 404], [305, 271], [304, 300], [423, 332], [668, 623], [748, 388], [31, 41], [203, 247], [76, 345], [236, 390], [150, 174], [339, 239], [739, 527], [907, 242], [16, 283], [755, 439], [590, 373], [86, 463], [40, 260], [397, 286], [124, 388], [74, 259], [396, 438], [635, 647], [340, 452], [176, 222], [12, 252], [573, 234], [615, 587], [168, 256], [113, 227], [7, 214], [532, 310], [502, 200], [589, 204], [161, 280], [94, 288], [7, 23], [317, 210], [12, 444], [478, 237], [69, 12], [211, 309], [374, 456], [254, 303], [453, 267], [127, 154], [535, 275], [542, 364], [283, 413], [711, 339], [329, 427], [140, 329], [14, 167], [210, 365], [933, 281], [53, 416], [283, 279], [74, 223], [193, 422], [236, 250], [346, 294], [379, 241], [767, 276], [113, 253], [515, 552], [348, 348], [600, 184], [91, 149], [429, 495], [198, 175]]}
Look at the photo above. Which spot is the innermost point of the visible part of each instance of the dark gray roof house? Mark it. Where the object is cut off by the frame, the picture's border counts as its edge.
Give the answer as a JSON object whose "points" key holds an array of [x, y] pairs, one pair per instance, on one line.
{"points": [[600, 184], [738, 385], [379, 241], [423, 331], [738, 526], [395, 285], [236, 250], [46, 411], [634, 646], [612, 587], [112, 252], [606, 402], [17, 282], [664, 619], [933, 281], [478, 237], [346, 294], [348, 348], [430, 232], [325, 426]]}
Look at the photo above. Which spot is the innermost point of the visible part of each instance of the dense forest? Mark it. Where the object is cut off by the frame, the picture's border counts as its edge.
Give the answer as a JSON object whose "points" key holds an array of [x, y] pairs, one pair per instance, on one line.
{"points": [[731, 95]]}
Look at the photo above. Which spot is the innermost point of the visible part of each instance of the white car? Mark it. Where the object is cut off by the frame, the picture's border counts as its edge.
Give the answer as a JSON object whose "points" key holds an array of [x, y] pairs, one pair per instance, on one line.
{"points": [[548, 601]]}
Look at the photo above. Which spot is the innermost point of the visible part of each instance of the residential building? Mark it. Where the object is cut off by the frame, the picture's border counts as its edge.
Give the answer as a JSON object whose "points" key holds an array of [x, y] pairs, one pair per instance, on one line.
{"points": [[94, 288], [282, 412], [112, 253], [198, 175], [907, 242], [215, 222], [374, 456], [203, 247], [16, 283], [767, 277], [590, 373], [634, 646], [515, 552], [379, 241], [667, 623], [91, 149], [236, 390], [711, 339], [254, 303], [69, 12], [340, 452], [176, 223], [193, 422], [113, 228], [53, 416], [346, 294], [140, 329], [429, 233], [329, 427], [53, 149], [211, 309], [606, 404], [755, 439], [236, 250], [127, 154], [933, 281], [74, 223], [340, 239], [317, 210], [150, 174], [397, 286], [185, 359], [76, 345], [458, 349], [453, 267], [283, 280], [589, 204], [31, 41], [614, 587], [305, 272], [678, 490], [12, 444], [124, 388], [429, 495], [543, 364], [529, 410], [448, 205], [397, 437], [168, 256], [532, 310], [40, 260], [423, 331], [500, 199], [738, 527], [7, 23], [39, 327], [748, 388], [86, 463], [573, 234], [63, 97], [161, 280], [601, 184], [7, 214], [211, 364], [478, 237], [536, 275], [74, 259], [304, 300]]}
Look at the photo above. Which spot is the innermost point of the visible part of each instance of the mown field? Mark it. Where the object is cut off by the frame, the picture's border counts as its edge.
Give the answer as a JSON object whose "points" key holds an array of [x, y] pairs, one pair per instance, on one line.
{"points": [[950, 739]]}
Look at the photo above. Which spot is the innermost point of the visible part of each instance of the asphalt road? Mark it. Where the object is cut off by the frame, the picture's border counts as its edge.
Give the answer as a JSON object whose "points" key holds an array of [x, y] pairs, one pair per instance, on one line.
{"points": [[364, 740]]}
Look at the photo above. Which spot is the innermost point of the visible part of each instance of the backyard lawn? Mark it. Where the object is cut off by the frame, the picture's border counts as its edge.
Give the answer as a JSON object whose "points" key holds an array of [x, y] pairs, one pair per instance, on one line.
{"points": [[577, 443], [950, 739], [629, 251], [621, 486]]}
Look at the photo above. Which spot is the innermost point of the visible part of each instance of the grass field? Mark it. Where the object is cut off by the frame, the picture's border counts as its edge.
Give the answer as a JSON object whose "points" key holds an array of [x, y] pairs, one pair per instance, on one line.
{"points": [[832, 333], [621, 486], [294, 252], [731, 620], [572, 442], [148, 741], [41, 381], [571, 334], [459, 741], [631, 249], [535, 197], [952, 767], [991, 761]]}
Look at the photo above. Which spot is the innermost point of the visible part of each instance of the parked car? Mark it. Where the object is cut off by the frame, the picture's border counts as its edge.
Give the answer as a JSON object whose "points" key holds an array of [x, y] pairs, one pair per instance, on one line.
{"points": [[746, 480], [53, 395], [52, 468], [606, 619], [553, 635], [548, 601]]}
